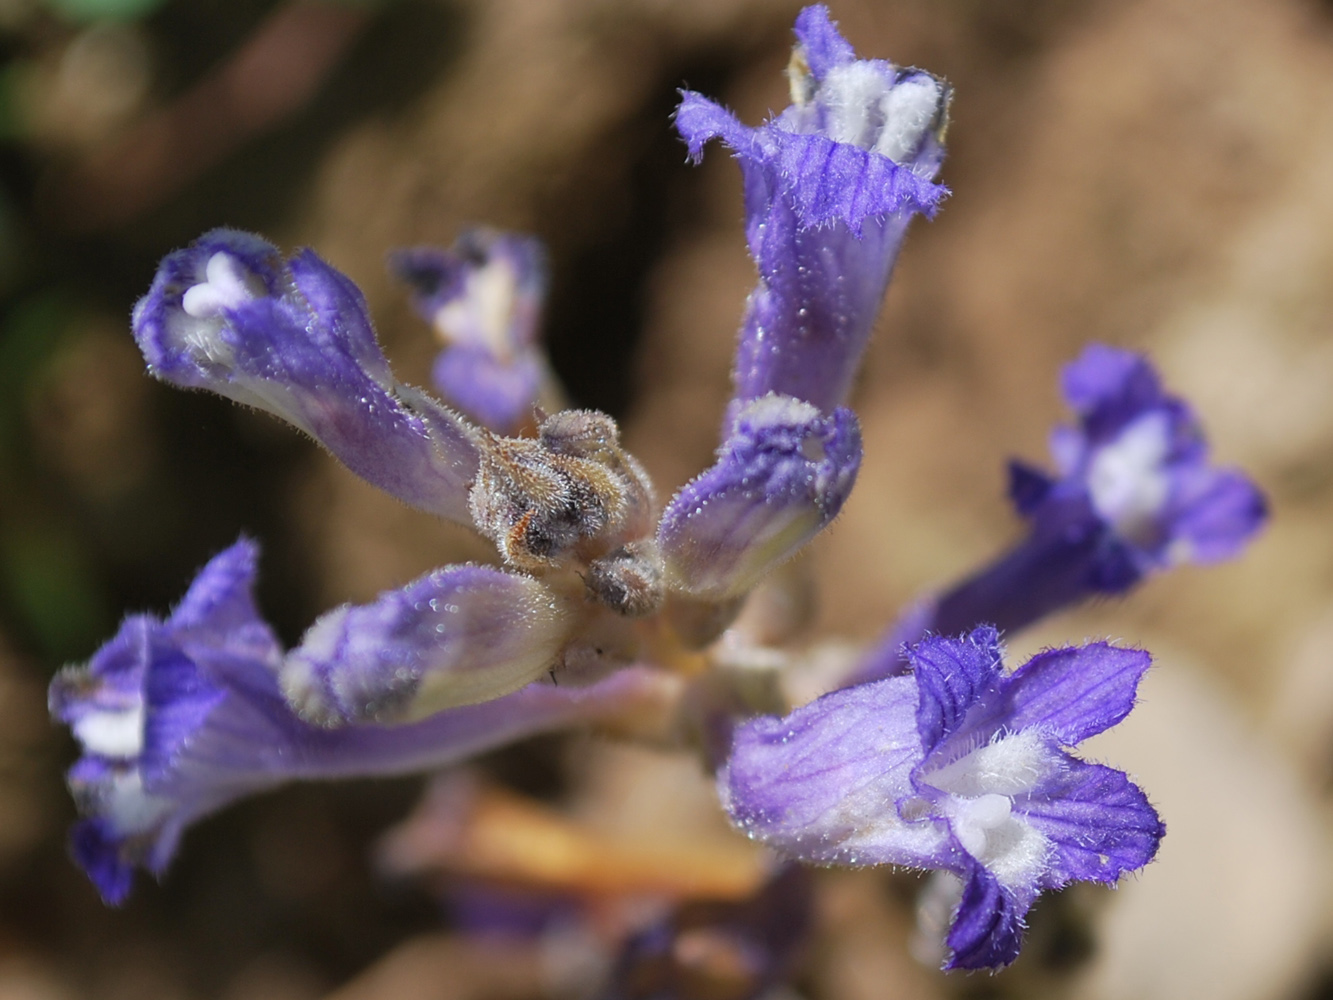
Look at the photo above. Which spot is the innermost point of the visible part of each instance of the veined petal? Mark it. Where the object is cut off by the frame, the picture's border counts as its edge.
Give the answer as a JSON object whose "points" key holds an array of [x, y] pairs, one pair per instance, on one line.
{"points": [[809, 318], [824, 783], [179, 718], [837, 181], [987, 930], [830, 185], [954, 676], [227, 314], [823, 46], [1100, 823], [780, 478], [1074, 692], [457, 636]]}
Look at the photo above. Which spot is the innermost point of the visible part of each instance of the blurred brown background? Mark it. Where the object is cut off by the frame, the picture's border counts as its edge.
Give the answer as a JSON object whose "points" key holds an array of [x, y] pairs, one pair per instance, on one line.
{"points": [[1153, 173]]}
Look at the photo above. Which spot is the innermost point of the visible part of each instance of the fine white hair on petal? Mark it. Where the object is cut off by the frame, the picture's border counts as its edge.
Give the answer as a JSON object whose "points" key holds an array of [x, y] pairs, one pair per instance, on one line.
{"points": [[1012, 850], [776, 410], [854, 95], [1016, 853], [909, 108], [975, 819], [1009, 765]]}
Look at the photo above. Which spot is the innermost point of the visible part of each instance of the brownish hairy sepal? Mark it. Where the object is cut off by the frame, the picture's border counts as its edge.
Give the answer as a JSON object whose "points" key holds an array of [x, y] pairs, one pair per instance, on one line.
{"points": [[565, 498], [629, 580]]}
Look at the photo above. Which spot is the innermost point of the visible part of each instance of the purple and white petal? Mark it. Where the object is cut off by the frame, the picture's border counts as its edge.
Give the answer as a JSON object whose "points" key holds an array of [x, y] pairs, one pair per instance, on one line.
{"points": [[294, 338], [987, 930], [954, 677], [486, 290], [457, 636], [1139, 457], [1074, 692], [179, 718], [141, 703], [781, 477], [825, 783], [484, 296], [830, 185], [1099, 823], [1134, 493], [1216, 513], [957, 767]]}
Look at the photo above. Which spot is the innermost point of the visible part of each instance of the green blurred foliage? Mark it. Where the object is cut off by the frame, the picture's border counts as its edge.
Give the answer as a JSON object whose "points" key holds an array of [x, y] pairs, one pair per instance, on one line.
{"points": [[83, 11]]}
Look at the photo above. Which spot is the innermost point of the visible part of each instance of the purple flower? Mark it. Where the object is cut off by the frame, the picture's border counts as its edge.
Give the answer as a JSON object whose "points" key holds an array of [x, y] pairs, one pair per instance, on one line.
{"points": [[958, 767], [294, 338], [1135, 494], [457, 636], [830, 186], [781, 476], [484, 297], [178, 718]]}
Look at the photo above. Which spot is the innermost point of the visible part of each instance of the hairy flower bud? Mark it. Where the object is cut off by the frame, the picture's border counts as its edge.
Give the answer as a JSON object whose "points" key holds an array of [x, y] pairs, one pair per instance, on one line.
{"points": [[567, 497], [629, 579]]}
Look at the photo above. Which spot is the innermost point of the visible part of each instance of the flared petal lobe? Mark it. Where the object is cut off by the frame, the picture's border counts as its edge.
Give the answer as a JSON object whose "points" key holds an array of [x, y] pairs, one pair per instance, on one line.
{"points": [[781, 477], [228, 314], [1075, 692], [825, 783], [141, 709], [1139, 457], [1099, 823], [953, 676], [987, 929], [823, 46]]}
